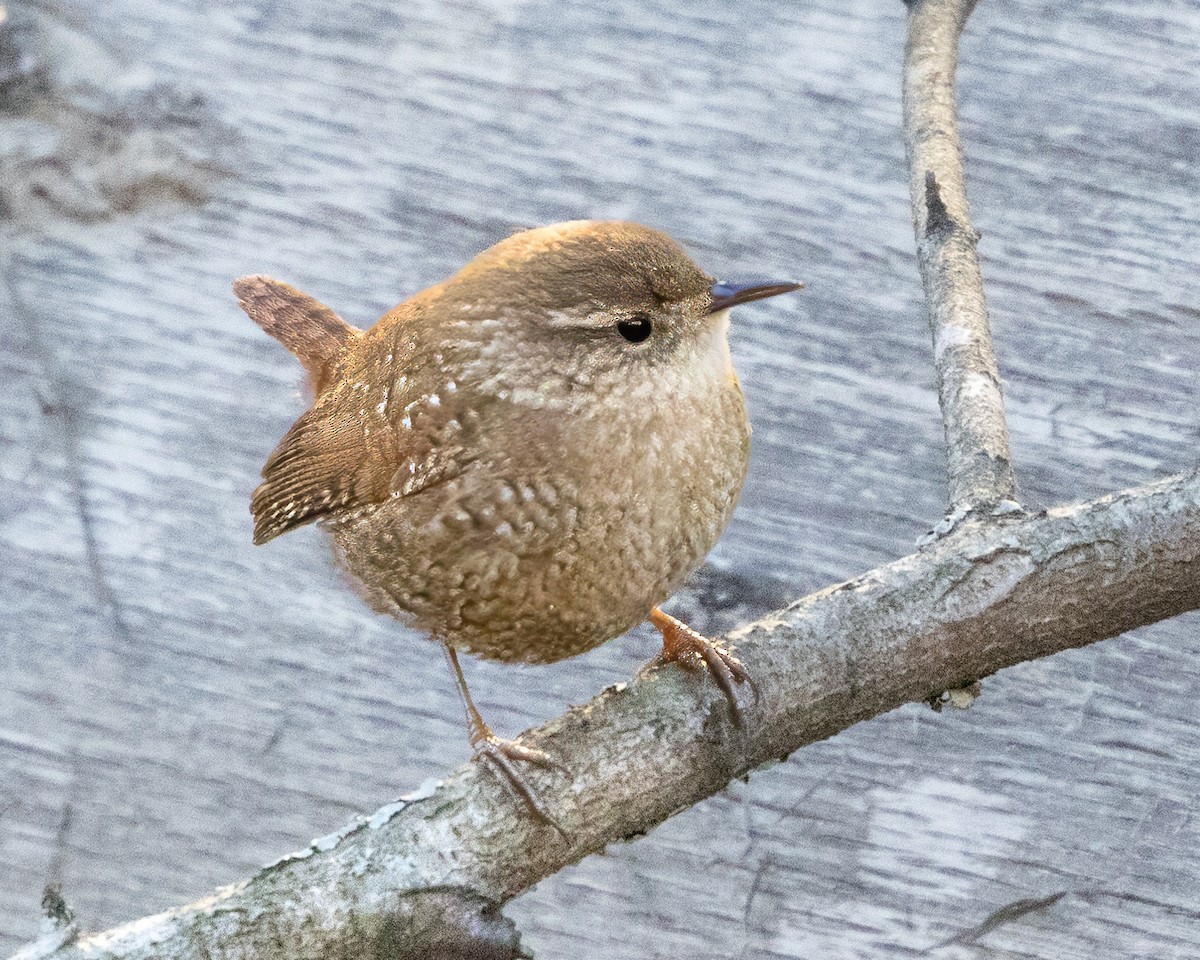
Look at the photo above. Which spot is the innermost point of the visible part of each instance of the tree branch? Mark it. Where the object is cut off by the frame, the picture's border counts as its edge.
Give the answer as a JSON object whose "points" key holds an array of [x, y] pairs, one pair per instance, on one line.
{"points": [[977, 449], [988, 595]]}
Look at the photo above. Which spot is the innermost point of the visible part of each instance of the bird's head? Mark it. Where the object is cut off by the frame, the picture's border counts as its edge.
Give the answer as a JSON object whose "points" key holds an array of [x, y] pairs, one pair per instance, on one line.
{"points": [[592, 305]]}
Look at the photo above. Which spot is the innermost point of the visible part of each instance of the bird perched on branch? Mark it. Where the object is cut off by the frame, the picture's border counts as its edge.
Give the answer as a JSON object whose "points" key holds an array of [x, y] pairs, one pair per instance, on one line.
{"points": [[526, 459]]}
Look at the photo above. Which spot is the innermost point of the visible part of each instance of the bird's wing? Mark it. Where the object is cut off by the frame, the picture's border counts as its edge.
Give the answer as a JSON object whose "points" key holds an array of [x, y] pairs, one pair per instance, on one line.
{"points": [[316, 470], [366, 438], [352, 450]]}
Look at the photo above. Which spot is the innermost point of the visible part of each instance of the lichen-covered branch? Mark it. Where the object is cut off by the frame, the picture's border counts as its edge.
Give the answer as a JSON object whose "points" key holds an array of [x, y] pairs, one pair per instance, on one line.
{"points": [[977, 448], [988, 595]]}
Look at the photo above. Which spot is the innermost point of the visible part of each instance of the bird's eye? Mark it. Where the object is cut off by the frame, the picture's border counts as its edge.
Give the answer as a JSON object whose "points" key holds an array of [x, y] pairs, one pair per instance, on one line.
{"points": [[635, 329]]}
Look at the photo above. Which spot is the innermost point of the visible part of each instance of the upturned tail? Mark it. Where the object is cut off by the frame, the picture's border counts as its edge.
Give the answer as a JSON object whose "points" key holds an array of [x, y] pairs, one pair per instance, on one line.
{"points": [[307, 475], [309, 329]]}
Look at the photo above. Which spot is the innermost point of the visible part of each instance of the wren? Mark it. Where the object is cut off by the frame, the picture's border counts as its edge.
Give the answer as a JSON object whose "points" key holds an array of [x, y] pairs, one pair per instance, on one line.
{"points": [[524, 460]]}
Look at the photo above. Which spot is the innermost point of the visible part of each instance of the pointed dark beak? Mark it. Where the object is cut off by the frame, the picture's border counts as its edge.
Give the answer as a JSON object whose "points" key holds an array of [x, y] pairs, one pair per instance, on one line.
{"points": [[726, 295]]}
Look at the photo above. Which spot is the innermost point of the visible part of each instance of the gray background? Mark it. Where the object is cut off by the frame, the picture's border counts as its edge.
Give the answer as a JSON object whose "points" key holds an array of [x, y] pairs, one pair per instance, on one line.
{"points": [[178, 707]]}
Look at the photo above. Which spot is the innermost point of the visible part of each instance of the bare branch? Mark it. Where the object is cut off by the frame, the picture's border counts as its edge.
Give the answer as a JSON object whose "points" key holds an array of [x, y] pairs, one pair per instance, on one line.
{"points": [[988, 595], [977, 449]]}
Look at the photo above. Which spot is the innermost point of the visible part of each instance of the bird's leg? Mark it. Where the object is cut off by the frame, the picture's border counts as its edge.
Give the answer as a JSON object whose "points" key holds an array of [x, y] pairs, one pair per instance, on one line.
{"points": [[497, 749], [683, 645]]}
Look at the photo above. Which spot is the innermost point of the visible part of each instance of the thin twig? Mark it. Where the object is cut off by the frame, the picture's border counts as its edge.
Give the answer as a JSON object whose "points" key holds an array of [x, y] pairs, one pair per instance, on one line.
{"points": [[977, 448]]}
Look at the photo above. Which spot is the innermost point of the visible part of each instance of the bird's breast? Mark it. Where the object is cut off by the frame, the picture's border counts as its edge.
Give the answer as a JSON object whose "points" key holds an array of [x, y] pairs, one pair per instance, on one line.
{"points": [[567, 526]]}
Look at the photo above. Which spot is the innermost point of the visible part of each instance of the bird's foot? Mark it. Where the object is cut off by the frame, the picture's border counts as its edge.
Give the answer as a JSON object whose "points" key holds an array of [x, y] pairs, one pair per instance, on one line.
{"points": [[691, 650], [501, 752]]}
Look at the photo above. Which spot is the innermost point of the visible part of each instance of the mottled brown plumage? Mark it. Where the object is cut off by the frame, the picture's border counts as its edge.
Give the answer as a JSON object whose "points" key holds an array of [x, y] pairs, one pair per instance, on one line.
{"points": [[503, 462]]}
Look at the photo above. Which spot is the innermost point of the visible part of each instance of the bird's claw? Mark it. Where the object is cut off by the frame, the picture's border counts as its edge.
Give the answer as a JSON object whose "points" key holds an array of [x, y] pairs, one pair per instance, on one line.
{"points": [[490, 745], [501, 752], [692, 651]]}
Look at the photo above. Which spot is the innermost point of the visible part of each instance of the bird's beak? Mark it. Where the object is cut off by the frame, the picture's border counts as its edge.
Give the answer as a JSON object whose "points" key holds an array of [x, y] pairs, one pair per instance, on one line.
{"points": [[726, 295]]}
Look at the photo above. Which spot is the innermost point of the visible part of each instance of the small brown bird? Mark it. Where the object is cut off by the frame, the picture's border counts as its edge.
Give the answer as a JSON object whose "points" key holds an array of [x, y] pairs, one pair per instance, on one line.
{"points": [[524, 460]]}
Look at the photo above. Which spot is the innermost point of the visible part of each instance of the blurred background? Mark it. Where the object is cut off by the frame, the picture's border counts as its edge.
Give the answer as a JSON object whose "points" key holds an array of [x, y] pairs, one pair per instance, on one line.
{"points": [[178, 707]]}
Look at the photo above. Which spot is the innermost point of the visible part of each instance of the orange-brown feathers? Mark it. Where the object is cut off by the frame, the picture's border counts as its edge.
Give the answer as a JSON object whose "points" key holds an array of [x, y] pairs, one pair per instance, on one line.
{"points": [[315, 468], [308, 328]]}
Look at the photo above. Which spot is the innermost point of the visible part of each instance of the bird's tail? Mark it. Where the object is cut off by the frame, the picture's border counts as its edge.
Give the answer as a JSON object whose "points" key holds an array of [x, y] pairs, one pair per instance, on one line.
{"points": [[306, 477], [308, 328]]}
